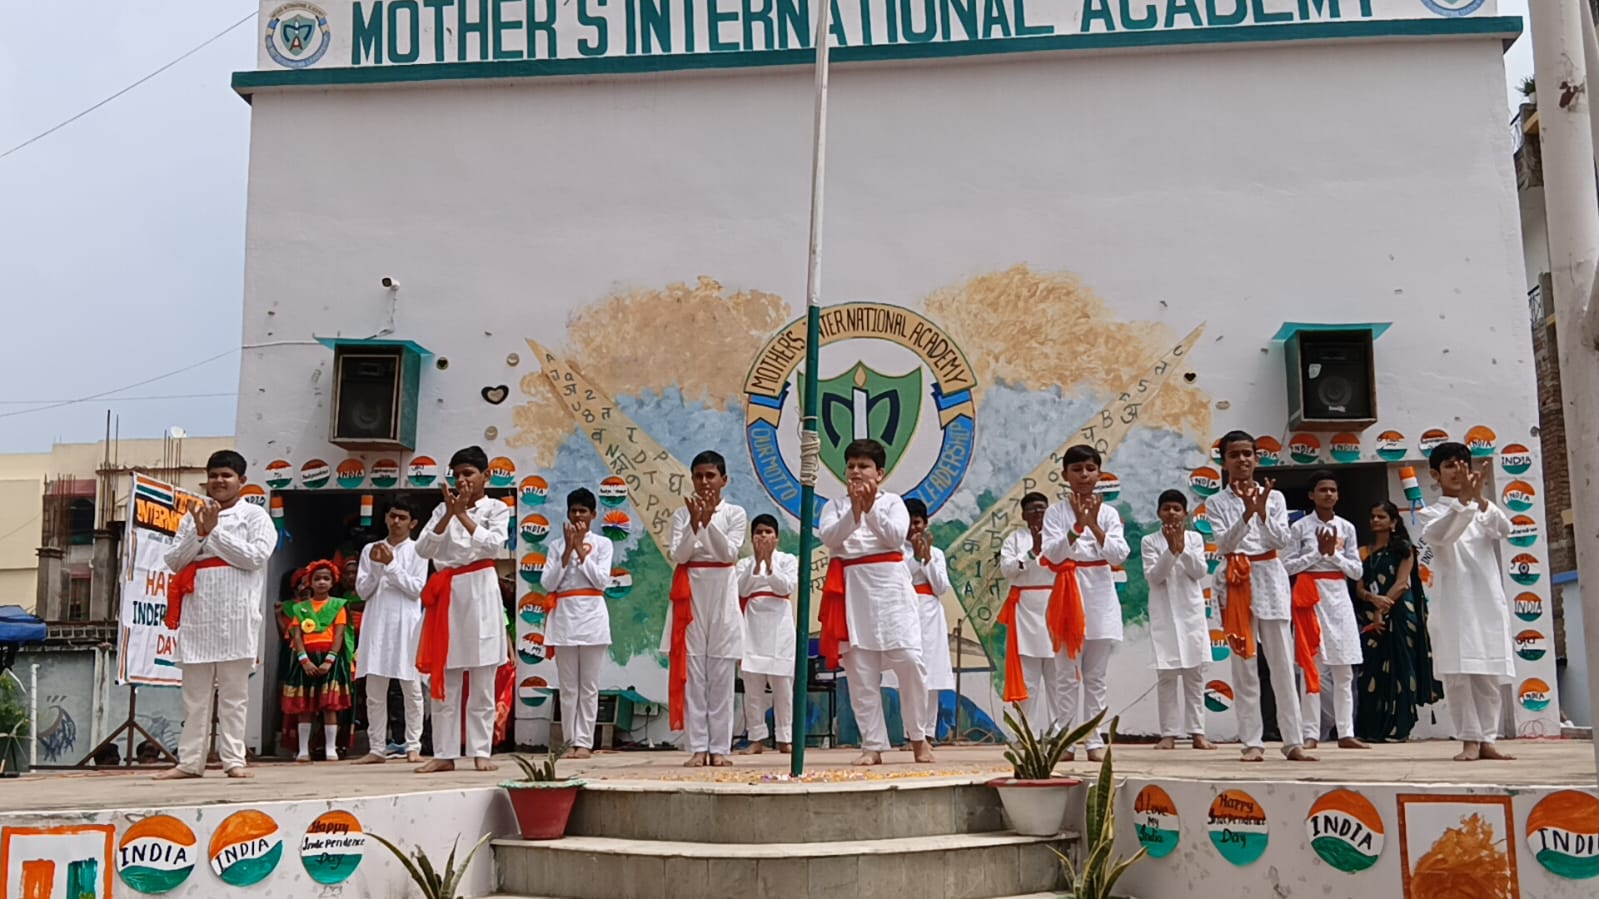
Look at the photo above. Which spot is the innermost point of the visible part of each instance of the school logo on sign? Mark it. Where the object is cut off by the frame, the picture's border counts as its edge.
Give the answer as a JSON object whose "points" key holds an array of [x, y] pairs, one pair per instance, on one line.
{"points": [[1563, 834], [1345, 830], [297, 35], [889, 374], [1452, 9], [1155, 818]]}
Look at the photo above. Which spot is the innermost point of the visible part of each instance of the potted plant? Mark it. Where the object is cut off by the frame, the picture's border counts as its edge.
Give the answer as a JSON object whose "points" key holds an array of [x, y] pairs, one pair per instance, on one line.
{"points": [[1033, 797], [542, 800], [13, 728], [435, 884], [1529, 89], [1100, 869]]}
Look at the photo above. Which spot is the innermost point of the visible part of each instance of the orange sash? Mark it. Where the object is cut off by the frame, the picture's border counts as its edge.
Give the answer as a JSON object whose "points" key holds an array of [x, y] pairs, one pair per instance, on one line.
{"points": [[549, 602], [834, 623], [181, 585], [925, 589], [744, 601], [1068, 623], [1238, 619], [433, 649], [1015, 680], [682, 596], [1307, 627]]}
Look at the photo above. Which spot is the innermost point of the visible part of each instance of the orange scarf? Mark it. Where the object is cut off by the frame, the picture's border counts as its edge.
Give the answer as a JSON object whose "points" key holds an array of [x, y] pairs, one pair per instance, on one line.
{"points": [[1307, 628], [1238, 619], [925, 589], [744, 601], [1068, 623], [1015, 680], [549, 602], [682, 596], [834, 623], [181, 585], [433, 649]]}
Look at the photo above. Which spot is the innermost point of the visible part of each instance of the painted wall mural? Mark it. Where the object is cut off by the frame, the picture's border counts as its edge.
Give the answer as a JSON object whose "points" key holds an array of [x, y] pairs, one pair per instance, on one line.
{"points": [[70, 861]]}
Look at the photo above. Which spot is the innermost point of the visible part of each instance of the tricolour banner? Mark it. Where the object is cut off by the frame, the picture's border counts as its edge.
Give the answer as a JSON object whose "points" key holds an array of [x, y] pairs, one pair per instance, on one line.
{"points": [[147, 650]]}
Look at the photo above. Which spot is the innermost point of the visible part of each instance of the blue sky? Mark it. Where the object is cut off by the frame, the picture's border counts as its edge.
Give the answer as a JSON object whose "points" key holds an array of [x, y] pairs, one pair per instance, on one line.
{"points": [[122, 234]]}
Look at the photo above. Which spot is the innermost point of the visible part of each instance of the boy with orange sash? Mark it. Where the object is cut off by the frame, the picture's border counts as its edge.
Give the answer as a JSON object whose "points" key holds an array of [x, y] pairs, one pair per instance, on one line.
{"points": [[463, 625], [1251, 522], [1032, 673], [1324, 555], [705, 631], [1083, 539], [577, 569], [868, 616], [1174, 564]]}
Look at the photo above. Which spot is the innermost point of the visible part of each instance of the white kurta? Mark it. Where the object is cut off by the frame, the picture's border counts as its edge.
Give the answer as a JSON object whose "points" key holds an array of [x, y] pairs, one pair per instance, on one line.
{"points": [[1101, 605], [717, 630], [392, 621], [222, 617], [769, 620], [1468, 618], [1268, 580], [578, 620], [477, 617], [930, 611], [1177, 627], [879, 602], [1340, 634], [1023, 569]]}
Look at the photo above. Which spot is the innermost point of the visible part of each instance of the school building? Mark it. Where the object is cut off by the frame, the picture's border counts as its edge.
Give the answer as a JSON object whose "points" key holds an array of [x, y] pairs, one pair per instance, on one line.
{"points": [[574, 233]]}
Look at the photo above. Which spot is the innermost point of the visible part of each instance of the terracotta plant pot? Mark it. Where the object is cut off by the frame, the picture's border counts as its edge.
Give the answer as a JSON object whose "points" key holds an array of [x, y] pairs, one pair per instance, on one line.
{"points": [[1035, 808], [542, 808]]}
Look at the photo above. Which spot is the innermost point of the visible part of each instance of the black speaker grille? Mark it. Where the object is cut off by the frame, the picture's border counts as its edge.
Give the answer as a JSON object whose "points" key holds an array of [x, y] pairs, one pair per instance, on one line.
{"points": [[368, 397]]}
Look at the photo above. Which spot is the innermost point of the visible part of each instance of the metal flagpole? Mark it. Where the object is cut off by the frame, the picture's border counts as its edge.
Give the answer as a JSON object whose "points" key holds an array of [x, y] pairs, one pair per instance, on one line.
{"points": [[810, 443]]}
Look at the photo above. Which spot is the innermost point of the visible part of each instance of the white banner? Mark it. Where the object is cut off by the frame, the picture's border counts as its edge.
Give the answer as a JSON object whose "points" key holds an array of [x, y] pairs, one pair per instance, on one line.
{"points": [[147, 650]]}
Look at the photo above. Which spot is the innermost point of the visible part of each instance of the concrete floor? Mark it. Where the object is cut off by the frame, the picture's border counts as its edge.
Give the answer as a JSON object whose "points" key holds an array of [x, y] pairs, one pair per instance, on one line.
{"points": [[1541, 763]]}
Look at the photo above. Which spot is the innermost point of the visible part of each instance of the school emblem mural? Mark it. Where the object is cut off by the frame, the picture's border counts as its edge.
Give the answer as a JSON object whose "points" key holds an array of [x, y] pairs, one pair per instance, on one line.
{"points": [[887, 373], [297, 35]]}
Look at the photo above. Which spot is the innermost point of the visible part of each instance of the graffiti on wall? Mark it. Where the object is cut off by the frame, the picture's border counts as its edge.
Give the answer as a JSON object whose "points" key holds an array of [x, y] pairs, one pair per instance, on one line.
{"points": [[1445, 841]]}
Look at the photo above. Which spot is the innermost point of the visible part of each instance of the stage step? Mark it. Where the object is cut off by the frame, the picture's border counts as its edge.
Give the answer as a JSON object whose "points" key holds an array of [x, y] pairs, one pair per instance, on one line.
{"points": [[711, 813], [946, 866]]}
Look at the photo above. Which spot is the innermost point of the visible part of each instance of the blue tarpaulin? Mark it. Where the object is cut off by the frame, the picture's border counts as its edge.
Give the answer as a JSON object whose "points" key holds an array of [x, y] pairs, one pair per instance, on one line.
{"points": [[17, 626]]}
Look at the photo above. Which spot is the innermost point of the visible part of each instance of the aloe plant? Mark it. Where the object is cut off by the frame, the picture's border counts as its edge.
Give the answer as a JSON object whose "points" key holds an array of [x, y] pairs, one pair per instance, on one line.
{"points": [[435, 884], [1033, 756], [534, 771], [1100, 870]]}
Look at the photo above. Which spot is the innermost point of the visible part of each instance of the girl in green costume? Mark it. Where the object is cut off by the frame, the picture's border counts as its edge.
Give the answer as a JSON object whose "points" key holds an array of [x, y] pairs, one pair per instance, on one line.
{"points": [[319, 680]]}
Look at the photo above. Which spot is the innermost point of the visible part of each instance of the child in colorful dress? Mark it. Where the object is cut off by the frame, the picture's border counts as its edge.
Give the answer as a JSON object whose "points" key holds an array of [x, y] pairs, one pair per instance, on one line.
{"points": [[318, 683]]}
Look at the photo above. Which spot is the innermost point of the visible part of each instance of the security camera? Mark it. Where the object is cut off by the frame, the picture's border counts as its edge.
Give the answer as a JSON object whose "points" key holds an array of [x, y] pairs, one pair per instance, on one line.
{"points": [[391, 283]]}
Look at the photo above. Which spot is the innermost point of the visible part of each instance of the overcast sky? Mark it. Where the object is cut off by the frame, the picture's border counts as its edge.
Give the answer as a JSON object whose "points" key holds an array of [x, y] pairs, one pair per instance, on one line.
{"points": [[122, 235]]}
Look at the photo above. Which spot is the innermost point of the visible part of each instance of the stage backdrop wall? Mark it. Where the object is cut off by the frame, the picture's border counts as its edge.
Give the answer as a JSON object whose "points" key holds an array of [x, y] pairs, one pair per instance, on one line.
{"points": [[1023, 251]]}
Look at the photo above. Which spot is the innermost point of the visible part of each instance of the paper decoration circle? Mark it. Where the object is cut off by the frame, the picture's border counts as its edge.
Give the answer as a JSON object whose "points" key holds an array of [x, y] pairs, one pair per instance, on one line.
{"points": [[332, 847], [1109, 487], [1345, 448], [1205, 481], [1480, 440], [1531, 645], [1155, 819], [1515, 458], [616, 524], [1304, 449], [1345, 830], [1528, 606], [531, 691], [502, 472], [534, 528], [1430, 439], [314, 474], [1533, 694], [613, 492], [422, 471], [621, 584], [1268, 451], [1563, 834], [1219, 650], [350, 474], [157, 854], [1237, 826], [385, 473], [1218, 696], [533, 490], [1390, 446], [246, 848], [279, 474]]}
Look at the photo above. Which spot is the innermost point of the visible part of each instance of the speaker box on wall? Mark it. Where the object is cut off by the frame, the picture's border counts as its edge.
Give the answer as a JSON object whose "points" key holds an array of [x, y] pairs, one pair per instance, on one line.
{"points": [[1332, 379], [374, 398]]}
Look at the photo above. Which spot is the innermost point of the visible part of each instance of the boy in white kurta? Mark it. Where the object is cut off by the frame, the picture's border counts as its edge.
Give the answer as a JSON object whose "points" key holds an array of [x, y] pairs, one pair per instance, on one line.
{"points": [[704, 636], [577, 569], [766, 584], [868, 612], [463, 624], [389, 578], [1174, 564], [1468, 619], [1324, 554], [1083, 540], [1033, 674], [930, 580], [219, 557]]}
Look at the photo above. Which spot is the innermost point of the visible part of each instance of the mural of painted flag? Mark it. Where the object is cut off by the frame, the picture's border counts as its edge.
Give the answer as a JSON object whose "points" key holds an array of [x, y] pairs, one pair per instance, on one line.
{"points": [[1430, 439], [1109, 487], [530, 648], [1219, 650], [530, 609], [279, 474], [533, 491], [1202, 522], [1218, 696], [1268, 451], [1533, 694], [1345, 830], [1390, 446], [332, 847], [1523, 531], [1525, 569], [1345, 448], [616, 525], [385, 473], [1520, 496], [1563, 834], [157, 854], [613, 492], [1480, 440], [534, 528], [422, 471], [1528, 606], [1304, 449], [1205, 481], [1515, 458], [1155, 819], [314, 474], [1237, 825], [621, 584], [254, 493], [531, 567], [502, 472], [246, 848], [1531, 645], [531, 691]]}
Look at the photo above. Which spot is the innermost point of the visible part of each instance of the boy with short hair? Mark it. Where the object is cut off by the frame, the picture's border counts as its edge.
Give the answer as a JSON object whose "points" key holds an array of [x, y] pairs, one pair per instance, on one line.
{"points": [[390, 576], [1174, 564], [1324, 552], [577, 569], [1033, 674], [766, 582], [868, 611], [1251, 523], [705, 636], [463, 639], [1083, 540], [1469, 619], [930, 580], [220, 556]]}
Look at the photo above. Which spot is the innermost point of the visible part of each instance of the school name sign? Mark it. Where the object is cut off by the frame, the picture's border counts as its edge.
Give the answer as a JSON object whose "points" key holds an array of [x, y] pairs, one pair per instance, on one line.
{"points": [[367, 33]]}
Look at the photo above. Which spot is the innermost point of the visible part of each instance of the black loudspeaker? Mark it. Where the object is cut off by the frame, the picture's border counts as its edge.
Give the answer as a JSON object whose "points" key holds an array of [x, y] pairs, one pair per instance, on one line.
{"points": [[1332, 379], [372, 407]]}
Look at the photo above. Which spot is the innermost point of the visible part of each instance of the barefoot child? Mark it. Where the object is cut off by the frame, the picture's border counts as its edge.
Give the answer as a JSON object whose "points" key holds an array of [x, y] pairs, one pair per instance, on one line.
{"points": [[390, 576], [1174, 564], [463, 627], [1083, 538], [318, 683], [1324, 552], [1251, 523], [766, 584], [705, 637], [930, 580], [1469, 620], [1032, 673], [868, 613], [577, 569]]}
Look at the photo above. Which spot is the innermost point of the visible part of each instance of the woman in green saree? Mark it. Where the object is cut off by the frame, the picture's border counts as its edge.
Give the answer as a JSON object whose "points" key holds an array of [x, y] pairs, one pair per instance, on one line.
{"points": [[1396, 674]]}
